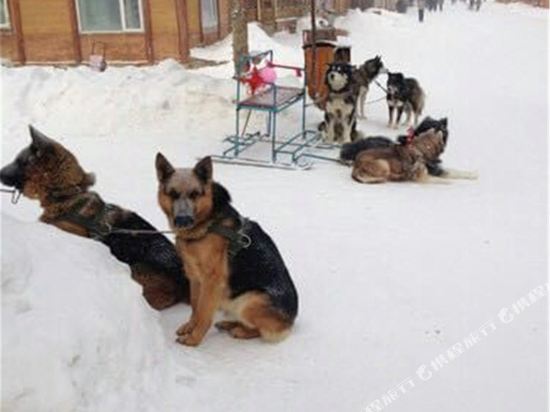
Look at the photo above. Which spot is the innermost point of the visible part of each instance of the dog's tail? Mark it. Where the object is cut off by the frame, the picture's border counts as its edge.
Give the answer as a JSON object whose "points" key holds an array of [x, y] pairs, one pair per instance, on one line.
{"points": [[459, 174], [349, 151]]}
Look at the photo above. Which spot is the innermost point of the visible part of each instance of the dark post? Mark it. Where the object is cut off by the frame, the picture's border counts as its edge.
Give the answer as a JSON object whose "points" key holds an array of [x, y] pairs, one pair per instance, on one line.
{"points": [[313, 48]]}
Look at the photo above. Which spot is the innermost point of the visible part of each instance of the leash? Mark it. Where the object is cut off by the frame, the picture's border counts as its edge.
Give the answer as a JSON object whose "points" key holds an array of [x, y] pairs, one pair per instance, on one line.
{"points": [[379, 85], [238, 239], [15, 194], [116, 230], [99, 229], [376, 100]]}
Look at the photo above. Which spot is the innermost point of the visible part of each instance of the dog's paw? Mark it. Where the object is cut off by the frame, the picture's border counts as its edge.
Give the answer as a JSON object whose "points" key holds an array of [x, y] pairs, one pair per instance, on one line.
{"points": [[186, 328], [242, 332], [190, 340], [226, 325]]}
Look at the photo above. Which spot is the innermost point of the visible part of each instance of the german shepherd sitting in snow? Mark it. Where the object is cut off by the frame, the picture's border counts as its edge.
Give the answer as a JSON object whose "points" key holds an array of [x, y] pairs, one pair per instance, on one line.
{"points": [[340, 121], [405, 161], [48, 172], [231, 263], [363, 76], [404, 94]]}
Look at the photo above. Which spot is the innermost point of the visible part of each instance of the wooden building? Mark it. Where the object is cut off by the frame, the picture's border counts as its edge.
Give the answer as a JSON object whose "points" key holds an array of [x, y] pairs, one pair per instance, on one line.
{"points": [[133, 31]]}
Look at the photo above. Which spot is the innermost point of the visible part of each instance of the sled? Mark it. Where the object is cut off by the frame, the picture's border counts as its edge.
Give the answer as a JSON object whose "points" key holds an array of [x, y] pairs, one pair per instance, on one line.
{"points": [[292, 152]]}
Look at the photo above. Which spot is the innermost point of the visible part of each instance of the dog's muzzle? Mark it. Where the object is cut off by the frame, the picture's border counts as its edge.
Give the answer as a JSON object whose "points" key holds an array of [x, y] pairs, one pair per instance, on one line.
{"points": [[184, 221], [11, 176], [184, 216]]}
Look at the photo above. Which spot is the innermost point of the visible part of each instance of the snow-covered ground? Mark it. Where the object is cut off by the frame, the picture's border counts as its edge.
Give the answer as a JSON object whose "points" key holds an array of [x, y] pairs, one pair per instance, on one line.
{"points": [[389, 276]]}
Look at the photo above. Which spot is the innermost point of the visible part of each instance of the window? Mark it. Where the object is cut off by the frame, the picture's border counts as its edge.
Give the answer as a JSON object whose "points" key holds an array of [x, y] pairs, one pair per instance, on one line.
{"points": [[209, 15], [4, 14], [109, 15]]}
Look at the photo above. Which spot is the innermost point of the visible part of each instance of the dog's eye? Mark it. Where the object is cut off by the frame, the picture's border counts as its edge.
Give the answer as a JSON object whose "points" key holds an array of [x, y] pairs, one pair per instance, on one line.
{"points": [[193, 194], [173, 194]]}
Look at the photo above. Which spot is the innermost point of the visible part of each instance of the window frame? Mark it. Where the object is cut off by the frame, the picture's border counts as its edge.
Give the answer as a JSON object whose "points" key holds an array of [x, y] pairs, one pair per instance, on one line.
{"points": [[123, 28], [212, 29], [7, 24]]}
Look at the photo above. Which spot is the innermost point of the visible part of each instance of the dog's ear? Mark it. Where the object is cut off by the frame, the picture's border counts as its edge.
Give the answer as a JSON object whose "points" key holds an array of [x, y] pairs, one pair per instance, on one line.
{"points": [[40, 142], [164, 168], [444, 122], [203, 169]]}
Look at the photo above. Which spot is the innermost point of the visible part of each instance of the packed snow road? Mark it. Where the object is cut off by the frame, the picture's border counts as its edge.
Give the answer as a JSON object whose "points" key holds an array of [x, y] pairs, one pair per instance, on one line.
{"points": [[390, 276]]}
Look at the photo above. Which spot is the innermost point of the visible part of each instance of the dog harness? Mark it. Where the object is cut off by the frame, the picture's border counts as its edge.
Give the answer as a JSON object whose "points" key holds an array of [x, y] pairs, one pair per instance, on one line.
{"points": [[238, 239], [99, 228], [96, 224]]}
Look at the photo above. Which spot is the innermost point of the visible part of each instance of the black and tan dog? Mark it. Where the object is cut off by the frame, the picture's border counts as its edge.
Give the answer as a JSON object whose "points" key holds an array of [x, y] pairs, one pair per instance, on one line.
{"points": [[349, 151], [48, 172], [231, 263], [404, 94], [406, 160]]}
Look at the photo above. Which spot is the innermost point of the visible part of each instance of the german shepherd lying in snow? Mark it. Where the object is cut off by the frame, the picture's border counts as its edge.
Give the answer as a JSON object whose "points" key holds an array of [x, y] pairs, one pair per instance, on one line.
{"points": [[231, 263], [48, 172]]}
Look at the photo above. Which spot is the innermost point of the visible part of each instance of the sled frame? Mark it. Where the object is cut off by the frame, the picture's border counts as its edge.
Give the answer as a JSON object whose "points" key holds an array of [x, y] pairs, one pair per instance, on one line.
{"points": [[293, 152]]}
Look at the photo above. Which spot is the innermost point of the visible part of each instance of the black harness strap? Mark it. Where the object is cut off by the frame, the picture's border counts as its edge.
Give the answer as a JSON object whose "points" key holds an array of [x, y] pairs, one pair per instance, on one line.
{"points": [[96, 225], [238, 239]]}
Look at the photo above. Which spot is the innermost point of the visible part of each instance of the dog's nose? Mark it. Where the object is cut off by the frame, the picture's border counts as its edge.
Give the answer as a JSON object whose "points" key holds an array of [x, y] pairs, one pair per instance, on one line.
{"points": [[6, 177], [183, 221]]}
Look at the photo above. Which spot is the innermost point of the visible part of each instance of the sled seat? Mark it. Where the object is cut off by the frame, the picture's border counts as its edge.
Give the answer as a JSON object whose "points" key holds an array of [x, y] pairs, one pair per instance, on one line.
{"points": [[274, 98]]}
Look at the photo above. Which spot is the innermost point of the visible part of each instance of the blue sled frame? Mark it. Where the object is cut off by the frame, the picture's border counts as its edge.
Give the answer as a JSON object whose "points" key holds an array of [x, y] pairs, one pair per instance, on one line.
{"points": [[294, 152]]}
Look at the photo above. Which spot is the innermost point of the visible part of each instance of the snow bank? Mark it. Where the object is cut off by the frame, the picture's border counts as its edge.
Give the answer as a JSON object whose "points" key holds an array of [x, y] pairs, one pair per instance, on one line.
{"points": [[77, 335], [158, 97]]}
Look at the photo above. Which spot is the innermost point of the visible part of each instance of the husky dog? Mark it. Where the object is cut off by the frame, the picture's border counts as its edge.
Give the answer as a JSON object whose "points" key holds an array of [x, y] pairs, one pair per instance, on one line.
{"points": [[399, 162], [231, 263], [414, 157], [340, 108], [48, 172], [363, 77], [404, 94], [420, 149], [349, 151]]}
